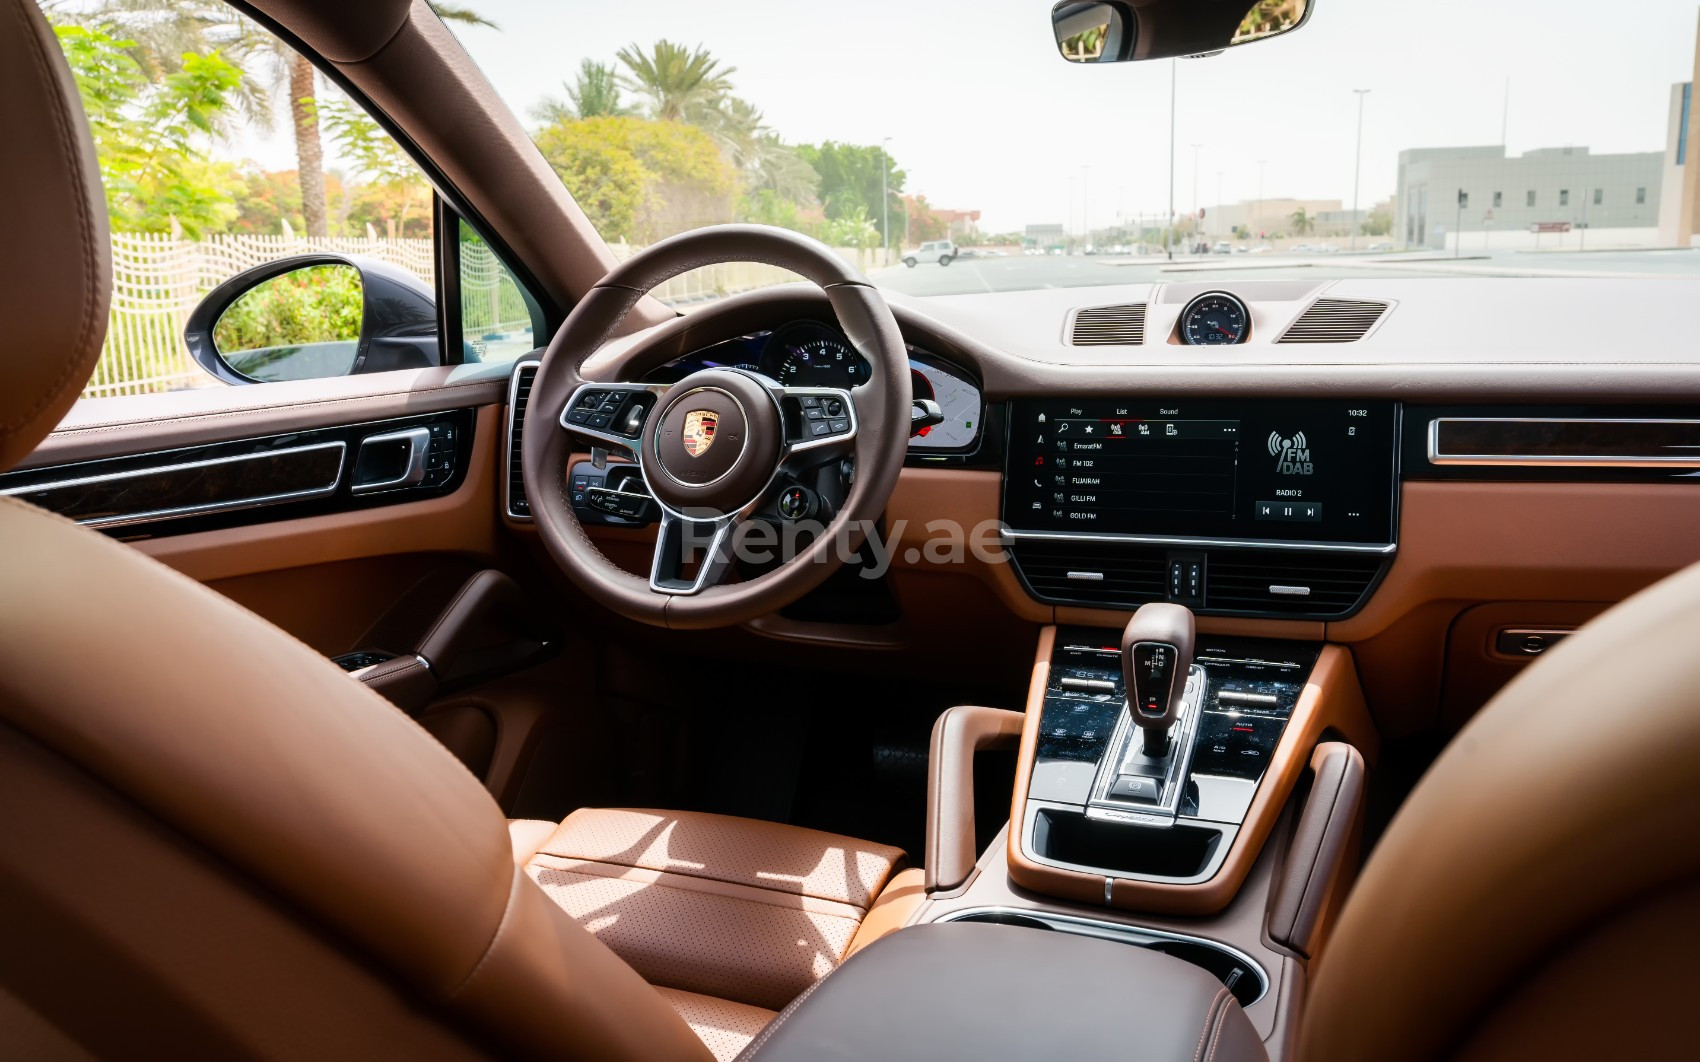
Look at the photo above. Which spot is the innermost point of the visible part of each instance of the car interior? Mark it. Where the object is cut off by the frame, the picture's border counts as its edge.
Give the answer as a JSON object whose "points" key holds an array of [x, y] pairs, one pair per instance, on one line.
{"points": [[832, 673]]}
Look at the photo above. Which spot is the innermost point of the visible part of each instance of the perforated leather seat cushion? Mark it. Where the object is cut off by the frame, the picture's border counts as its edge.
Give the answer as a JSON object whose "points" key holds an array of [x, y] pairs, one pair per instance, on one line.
{"points": [[748, 911]]}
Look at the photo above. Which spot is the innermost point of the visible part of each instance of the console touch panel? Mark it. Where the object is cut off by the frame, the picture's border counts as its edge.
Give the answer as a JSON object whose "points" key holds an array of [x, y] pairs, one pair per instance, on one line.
{"points": [[1296, 471]]}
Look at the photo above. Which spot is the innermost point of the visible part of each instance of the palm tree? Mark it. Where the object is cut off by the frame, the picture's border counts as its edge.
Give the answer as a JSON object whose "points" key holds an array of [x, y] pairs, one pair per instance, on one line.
{"points": [[595, 94], [1303, 223], [165, 29], [682, 85]]}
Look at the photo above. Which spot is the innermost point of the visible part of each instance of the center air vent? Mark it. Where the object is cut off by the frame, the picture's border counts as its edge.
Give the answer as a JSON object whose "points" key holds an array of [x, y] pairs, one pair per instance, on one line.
{"points": [[1335, 321], [1103, 326], [1263, 582], [1093, 573], [519, 396], [1289, 584]]}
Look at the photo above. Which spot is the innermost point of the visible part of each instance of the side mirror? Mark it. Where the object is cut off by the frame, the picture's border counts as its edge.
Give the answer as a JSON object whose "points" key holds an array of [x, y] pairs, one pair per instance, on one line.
{"points": [[314, 316], [1101, 32]]}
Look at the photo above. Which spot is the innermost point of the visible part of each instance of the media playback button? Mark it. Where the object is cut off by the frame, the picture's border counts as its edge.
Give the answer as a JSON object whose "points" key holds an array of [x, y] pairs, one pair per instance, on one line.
{"points": [[1294, 511]]}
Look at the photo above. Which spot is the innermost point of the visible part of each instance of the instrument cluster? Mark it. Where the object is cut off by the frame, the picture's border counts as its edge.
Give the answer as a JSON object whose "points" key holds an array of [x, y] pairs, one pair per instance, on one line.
{"points": [[815, 354]]}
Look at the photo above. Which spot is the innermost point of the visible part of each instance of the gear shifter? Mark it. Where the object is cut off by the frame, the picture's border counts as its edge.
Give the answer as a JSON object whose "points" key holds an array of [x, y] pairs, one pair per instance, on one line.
{"points": [[1156, 656]]}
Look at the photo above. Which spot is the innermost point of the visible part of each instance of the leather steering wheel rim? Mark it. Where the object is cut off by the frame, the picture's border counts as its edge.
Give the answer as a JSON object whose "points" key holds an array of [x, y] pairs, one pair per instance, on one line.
{"points": [[881, 407]]}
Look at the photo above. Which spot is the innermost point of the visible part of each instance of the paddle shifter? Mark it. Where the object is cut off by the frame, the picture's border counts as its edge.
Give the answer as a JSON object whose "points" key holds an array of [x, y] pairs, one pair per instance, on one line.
{"points": [[1156, 656]]}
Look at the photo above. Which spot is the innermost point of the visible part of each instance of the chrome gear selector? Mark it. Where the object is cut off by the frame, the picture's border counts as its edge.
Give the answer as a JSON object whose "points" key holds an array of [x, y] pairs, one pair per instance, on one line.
{"points": [[1157, 647]]}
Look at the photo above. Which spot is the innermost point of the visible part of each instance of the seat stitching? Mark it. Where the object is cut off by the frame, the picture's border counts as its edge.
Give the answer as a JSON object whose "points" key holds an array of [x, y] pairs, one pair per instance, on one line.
{"points": [[67, 144], [1221, 1024], [501, 926], [1204, 1033], [851, 914], [873, 894], [761, 1038]]}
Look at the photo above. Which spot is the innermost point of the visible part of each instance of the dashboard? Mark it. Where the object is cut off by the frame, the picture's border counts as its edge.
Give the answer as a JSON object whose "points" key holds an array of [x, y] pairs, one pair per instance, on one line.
{"points": [[814, 354]]}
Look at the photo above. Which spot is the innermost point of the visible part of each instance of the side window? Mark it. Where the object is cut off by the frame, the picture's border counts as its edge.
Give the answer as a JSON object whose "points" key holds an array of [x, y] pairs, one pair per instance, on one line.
{"points": [[258, 215], [499, 320]]}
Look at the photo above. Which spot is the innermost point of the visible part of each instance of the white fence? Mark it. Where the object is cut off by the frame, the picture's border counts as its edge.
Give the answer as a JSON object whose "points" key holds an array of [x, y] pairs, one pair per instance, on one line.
{"points": [[157, 280]]}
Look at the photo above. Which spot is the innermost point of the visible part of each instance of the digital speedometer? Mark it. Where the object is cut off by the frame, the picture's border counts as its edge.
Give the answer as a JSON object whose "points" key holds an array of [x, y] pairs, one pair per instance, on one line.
{"points": [[1215, 318]]}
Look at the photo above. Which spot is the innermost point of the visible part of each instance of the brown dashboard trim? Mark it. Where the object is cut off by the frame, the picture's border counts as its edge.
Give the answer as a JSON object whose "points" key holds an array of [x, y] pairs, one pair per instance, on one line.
{"points": [[1332, 704]]}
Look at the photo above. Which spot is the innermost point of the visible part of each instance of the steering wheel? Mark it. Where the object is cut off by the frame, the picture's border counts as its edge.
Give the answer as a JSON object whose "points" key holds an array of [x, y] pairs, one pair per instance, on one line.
{"points": [[716, 447]]}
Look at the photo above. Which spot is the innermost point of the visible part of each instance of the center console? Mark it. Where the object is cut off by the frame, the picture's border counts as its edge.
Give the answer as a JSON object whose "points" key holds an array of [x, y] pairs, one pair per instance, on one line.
{"points": [[1266, 508], [1096, 806], [1186, 793]]}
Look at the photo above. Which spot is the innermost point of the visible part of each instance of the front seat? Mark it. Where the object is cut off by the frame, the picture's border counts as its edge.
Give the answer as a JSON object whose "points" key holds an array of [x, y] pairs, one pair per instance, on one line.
{"points": [[236, 851]]}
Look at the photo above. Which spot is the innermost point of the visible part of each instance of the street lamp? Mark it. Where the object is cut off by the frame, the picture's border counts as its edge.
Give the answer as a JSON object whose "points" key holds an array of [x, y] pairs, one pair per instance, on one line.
{"points": [[1085, 204], [1169, 225], [885, 203], [1195, 148], [1218, 198], [1259, 215], [1358, 165]]}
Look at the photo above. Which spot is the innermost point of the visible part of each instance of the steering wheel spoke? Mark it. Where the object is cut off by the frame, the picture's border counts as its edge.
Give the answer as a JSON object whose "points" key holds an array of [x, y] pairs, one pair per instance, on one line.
{"points": [[683, 541], [820, 422], [611, 415]]}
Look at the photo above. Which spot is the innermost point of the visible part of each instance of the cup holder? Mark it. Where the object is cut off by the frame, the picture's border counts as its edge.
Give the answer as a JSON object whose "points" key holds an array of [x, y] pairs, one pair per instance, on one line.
{"points": [[1236, 970]]}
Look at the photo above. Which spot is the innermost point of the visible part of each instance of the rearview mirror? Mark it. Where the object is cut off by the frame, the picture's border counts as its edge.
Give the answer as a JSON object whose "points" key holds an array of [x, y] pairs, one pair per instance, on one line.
{"points": [[1103, 32], [313, 316]]}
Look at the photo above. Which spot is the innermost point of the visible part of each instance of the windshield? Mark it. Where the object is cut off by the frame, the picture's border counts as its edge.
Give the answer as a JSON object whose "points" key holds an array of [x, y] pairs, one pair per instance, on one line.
{"points": [[947, 148]]}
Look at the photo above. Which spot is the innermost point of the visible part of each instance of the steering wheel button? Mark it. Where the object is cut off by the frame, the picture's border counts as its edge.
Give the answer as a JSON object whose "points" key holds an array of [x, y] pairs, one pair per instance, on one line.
{"points": [[840, 426], [820, 427], [810, 402], [834, 408], [578, 416], [814, 413], [599, 420]]}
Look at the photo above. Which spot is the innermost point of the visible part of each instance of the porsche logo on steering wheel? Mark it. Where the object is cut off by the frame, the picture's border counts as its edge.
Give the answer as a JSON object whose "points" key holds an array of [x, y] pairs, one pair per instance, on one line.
{"points": [[699, 431]]}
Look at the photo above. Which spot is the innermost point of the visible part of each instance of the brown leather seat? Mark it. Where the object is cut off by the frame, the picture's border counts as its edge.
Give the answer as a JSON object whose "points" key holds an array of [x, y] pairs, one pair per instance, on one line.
{"points": [[730, 918], [241, 852]]}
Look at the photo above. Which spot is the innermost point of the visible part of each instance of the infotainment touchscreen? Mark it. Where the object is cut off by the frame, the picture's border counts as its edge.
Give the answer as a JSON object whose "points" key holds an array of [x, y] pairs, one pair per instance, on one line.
{"points": [[1317, 471]]}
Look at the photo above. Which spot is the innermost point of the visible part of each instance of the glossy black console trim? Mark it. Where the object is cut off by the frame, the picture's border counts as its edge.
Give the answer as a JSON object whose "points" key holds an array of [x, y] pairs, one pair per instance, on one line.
{"points": [[261, 498], [1417, 465]]}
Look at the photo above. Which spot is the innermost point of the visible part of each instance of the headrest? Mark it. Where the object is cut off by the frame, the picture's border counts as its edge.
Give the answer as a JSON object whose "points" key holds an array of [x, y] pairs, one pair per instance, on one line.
{"points": [[56, 269]]}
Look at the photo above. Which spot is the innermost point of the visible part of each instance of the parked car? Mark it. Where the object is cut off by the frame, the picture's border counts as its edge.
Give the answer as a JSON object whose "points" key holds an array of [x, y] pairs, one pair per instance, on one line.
{"points": [[1300, 248], [1223, 247], [1380, 247], [941, 251]]}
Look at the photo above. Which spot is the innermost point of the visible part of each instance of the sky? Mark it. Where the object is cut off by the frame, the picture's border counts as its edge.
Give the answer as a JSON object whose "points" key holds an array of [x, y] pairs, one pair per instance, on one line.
{"points": [[983, 114]]}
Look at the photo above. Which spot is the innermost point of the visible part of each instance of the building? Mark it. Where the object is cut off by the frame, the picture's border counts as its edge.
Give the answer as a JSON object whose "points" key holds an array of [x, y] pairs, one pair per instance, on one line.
{"points": [[1679, 212], [1677, 136], [1044, 235], [1566, 195], [963, 225], [1268, 218]]}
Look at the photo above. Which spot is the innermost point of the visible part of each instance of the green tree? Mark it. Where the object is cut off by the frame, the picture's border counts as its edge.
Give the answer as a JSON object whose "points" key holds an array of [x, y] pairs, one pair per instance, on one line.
{"points": [[395, 193], [850, 179], [1303, 222], [1379, 222], [594, 94], [151, 137], [681, 84], [854, 229], [167, 32], [639, 179]]}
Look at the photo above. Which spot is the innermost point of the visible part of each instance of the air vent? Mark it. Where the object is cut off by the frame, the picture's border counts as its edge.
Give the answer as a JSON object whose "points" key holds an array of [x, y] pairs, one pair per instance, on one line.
{"points": [[1092, 573], [1289, 584], [519, 395], [1335, 321], [1103, 326]]}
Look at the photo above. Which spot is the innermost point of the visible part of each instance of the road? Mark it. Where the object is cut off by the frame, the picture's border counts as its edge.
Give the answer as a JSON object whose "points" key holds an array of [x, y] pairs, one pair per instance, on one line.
{"points": [[1021, 272]]}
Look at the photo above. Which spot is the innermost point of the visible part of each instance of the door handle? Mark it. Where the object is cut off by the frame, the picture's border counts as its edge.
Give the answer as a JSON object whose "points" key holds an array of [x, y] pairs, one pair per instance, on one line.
{"points": [[391, 461]]}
